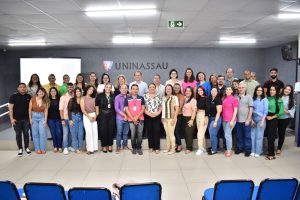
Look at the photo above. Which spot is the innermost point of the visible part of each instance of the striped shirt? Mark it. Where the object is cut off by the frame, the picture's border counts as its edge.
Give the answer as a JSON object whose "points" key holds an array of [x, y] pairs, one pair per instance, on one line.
{"points": [[167, 112]]}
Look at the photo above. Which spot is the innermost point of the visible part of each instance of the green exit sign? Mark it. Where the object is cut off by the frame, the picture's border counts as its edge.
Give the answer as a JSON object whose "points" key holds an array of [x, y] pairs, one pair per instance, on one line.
{"points": [[176, 24]]}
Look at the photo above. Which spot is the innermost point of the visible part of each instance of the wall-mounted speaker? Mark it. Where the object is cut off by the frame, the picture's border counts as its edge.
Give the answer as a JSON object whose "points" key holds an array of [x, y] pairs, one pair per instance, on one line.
{"points": [[287, 53]]}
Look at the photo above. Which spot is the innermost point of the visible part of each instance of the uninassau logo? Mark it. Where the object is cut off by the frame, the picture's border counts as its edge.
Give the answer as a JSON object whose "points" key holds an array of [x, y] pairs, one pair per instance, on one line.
{"points": [[135, 65]]}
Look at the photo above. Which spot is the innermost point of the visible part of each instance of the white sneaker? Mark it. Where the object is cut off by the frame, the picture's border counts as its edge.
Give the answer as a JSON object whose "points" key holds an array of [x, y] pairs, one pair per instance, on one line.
{"points": [[199, 152], [71, 149], [166, 151], [20, 152], [256, 155], [66, 152], [252, 154], [171, 152]]}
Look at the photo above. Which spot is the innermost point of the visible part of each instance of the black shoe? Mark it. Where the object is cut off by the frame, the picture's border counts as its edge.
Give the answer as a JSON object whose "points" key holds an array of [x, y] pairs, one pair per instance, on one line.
{"points": [[140, 152], [238, 151], [133, 151], [20, 153], [211, 152], [247, 154], [104, 151]]}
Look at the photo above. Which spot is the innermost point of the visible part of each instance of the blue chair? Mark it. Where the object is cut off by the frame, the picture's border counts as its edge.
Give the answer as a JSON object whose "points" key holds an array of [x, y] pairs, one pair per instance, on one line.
{"points": [[8, 191], [231, 190], [89, 194], [297, 195], [44, 191], [144, 191], [276, 189]]}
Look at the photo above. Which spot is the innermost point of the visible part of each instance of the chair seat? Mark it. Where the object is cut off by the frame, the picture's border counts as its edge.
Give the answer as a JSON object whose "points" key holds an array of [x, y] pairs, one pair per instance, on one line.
{"points": [[209, 194]]}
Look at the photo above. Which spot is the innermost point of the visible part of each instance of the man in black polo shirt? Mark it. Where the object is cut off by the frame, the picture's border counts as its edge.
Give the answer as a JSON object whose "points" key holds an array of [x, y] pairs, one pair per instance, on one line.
{"points": [[273, 82], [19, 118]]}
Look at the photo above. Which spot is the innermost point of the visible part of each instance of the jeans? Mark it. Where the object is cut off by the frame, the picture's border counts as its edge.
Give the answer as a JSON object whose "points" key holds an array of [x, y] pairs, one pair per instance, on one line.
{"points": [[77, 131], [56, 132], [213, 132], [22, 127], [122, 128], [136, 134], [178, 129], [67, 138], [39, 131], [257, 135], [243, 137], [228, 134]]}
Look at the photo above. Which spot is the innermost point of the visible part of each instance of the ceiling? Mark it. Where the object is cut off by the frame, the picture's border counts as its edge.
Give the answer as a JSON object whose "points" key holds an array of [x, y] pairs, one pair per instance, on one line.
{"points": [[63, 23]]}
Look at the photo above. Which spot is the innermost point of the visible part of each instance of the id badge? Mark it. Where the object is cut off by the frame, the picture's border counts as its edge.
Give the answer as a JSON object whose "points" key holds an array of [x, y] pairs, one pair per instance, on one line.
{"points": [[108, 105], [134, 108]]}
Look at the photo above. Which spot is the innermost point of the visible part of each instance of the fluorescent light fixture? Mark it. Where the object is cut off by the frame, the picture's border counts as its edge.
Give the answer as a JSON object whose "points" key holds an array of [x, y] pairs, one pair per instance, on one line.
{"points": [[132, 40], [111, 8], [117, 13], [27, 43], [288, 16], [236, 40]]}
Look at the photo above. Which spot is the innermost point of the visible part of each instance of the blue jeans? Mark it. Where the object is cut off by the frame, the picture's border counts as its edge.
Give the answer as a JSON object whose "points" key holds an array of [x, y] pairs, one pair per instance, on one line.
{"points": [[77, 131], [213, 132], [257, 135], [136, 134], [228, 134], [67, 138], [56, 132], [122, 127], [39, 131], [243, 137]]}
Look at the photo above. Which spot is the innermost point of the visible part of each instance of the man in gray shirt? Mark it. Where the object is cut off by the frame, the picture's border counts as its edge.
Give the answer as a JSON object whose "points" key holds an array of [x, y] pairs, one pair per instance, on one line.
{"points": [[249, 82], [160, 88], [244, 118], [143, 87]]}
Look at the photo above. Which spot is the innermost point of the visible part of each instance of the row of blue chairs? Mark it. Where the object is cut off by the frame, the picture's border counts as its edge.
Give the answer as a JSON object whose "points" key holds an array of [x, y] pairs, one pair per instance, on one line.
{"points": [[53, 191], [269, 189]]}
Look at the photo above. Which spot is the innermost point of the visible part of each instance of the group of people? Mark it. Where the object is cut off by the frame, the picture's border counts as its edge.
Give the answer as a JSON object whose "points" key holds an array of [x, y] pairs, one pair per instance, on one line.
{"points": [[239, 111]]}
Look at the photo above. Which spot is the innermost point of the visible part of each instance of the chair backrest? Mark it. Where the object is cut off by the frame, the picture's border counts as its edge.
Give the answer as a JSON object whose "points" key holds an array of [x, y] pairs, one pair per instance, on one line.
{"points": [[44, 191], [277, 189], [233, 190], [8, 191], [297, 195], [143, 191], [89, 194]]}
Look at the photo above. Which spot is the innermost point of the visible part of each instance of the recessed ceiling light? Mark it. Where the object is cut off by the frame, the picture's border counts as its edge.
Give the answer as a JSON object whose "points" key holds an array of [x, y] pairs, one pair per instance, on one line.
{"points": [[27, 43], [131, 40], [235, 40], [118, 13], [288, 16]]}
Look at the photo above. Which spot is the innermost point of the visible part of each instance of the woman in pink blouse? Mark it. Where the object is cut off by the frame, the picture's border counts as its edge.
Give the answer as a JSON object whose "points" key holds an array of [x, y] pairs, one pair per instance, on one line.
{"points": [[189, 112], [189, 80], [229, 110]]}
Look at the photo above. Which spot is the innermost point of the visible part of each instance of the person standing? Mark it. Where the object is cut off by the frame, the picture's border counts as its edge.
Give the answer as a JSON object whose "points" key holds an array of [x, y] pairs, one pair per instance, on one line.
{"points": [[215, 120], [63, 108], [260, 111], [213, 80], [221, 87], [244, 119], [160, 88], [54, 120], [105, 79], [275, 110], [249, 83], [76, 120], [173, 75], [152, 117], [274, 81], [19, 117], [289, 112], [201, 81], [121, 119], [88, 108], [38, 115], [105, 113], [120, 81], [229, 77], [51, 83], [143, 87], [202, 118], [170, 109], [80, 81], [229, 111], [179, 123], [189, 80], [189, 111], [135, 106], [33, 84], [64, 88], [93, 80]]}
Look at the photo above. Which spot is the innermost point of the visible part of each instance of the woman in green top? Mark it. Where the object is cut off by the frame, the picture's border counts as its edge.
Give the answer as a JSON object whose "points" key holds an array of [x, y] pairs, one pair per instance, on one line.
{"points": [[275, 110]]}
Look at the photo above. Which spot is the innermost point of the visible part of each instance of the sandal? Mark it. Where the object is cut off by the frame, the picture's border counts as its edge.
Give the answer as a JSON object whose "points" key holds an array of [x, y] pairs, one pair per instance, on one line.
{"points": [[270, 157], [278, 152]]}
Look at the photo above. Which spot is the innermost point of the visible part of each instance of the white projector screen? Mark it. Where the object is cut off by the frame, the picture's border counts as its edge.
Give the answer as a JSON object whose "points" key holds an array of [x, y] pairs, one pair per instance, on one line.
{"points": [[45, 66]]}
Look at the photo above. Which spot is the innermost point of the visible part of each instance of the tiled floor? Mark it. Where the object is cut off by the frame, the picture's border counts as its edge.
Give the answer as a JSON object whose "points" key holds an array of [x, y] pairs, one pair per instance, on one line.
{"points": [[183, 177]]}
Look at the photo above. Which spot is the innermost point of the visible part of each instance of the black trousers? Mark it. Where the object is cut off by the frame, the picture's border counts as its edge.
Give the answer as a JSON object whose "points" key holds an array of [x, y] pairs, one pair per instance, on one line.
{"points": [[22, 128], [179, 129], [282, 125], [106, 124], [271, 134], [153, 130]]}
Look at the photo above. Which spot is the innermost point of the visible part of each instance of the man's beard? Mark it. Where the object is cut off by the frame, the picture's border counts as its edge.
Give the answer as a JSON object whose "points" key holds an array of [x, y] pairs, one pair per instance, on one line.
{"points": [[274, 76]]}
